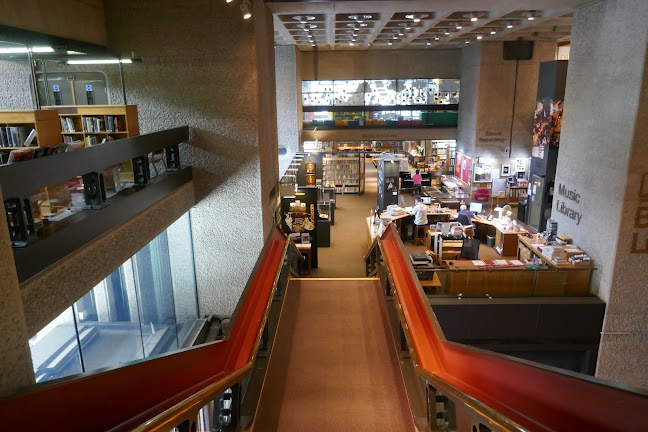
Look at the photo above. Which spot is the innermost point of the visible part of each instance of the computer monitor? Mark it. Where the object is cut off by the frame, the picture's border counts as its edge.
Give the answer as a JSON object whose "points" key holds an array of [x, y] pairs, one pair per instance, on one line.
{"points": [[476, 207], [426, 200]]}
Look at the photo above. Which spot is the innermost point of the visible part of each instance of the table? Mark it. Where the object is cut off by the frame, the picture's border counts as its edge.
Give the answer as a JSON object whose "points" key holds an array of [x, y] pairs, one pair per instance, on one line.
{"points": [[305, 249], [441, 247], [470, 279], [506, 242], [483, 228]]}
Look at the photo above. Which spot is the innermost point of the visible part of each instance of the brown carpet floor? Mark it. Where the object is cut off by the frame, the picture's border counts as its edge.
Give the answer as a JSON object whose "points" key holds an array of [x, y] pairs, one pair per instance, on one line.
{"points": [[334, 366]]}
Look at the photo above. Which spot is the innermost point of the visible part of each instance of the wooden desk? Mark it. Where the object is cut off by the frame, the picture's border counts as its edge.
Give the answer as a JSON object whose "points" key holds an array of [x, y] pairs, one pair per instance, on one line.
{"points": [[509, 280], [483, 228], [506, 242], [305, 249], [574, 280], [431, 286]]}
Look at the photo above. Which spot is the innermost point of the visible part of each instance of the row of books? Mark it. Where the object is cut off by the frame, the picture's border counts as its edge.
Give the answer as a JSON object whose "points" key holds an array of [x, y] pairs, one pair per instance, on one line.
{"points": [[16, 136], [92, 124]]}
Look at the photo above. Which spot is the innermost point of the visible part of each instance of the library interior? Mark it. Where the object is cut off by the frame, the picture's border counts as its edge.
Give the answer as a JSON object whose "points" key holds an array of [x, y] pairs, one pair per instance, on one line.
{"points": [[255, 215]]}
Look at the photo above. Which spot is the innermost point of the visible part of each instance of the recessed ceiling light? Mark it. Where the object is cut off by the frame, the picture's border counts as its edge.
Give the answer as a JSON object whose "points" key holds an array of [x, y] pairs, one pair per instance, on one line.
{"points": [[467, 41], [359, 18], [459, 26], [303, 18], [436, 38], [509, 25], [351, 44], [416, 17], [473, 19], [428, 43], [389, 43], [446, 32], [530, 16], [493, 31], [479, 37], [400, 34]]}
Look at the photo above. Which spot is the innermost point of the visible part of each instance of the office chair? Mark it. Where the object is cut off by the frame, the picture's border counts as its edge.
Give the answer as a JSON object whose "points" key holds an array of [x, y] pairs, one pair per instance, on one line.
{"points": [[470, 249]]}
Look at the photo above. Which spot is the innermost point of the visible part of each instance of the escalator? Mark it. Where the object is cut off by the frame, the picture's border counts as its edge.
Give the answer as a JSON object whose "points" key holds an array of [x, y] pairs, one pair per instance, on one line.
{"points": [[335, 355]]}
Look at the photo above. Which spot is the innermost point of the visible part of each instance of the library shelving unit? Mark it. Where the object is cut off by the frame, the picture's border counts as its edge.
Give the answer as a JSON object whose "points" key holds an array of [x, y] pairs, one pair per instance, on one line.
{"points": [[95, 123], [446, 152], [342, 173], [45, 123]]}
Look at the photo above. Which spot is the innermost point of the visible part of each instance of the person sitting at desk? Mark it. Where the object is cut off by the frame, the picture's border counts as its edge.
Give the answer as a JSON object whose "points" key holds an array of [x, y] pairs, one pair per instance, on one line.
{"points": [[417, 179], [464, 215], [419, 211]]}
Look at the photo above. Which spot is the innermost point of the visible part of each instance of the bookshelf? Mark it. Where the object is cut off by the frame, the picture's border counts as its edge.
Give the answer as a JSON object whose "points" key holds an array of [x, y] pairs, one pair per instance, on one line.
{"points": [[342, 173], [45, 123], [95, 123]]}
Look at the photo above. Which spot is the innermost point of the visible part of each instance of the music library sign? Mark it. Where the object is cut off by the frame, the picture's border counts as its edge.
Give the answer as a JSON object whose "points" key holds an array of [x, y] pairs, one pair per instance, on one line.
{"points": [[565, 205]]}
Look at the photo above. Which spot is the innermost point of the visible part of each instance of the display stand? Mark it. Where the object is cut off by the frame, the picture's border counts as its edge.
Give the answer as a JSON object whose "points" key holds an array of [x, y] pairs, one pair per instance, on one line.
{"points": [[301, 221], [388, 176]]}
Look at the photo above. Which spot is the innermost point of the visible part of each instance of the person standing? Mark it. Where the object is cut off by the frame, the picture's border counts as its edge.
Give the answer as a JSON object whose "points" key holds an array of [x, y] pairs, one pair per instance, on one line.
{"points": [[417, 179]]}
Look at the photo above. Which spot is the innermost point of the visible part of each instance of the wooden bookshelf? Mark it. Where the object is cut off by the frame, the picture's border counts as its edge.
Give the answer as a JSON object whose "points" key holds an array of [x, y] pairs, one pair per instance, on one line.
{"points": [[46, 124], [77, 116]]}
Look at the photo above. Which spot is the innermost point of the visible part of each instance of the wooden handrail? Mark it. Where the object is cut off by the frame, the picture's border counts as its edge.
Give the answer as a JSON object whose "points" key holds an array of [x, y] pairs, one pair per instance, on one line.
{"points": [[522, 395], [127, 397]]}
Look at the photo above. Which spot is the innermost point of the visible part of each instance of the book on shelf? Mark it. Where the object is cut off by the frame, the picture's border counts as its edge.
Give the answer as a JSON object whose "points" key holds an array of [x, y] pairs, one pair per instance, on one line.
{"points": [[93, 124], [112, 123], [67, 124], [16, 136]]}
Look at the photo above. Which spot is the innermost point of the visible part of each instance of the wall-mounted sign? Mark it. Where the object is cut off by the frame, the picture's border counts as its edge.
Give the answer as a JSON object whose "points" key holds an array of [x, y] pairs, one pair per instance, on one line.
{"points": [[88, 87], [567, 207], [56, 88], [640, 236], [492, 137]]}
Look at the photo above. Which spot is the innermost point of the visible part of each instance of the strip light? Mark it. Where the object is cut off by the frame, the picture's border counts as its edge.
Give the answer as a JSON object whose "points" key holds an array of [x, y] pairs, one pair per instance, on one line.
{"points": [[100, 61], [23, 50]]}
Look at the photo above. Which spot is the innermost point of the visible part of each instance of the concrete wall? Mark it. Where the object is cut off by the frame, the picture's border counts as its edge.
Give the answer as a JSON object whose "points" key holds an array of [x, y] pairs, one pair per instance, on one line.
{"points": [[288, 103], [489, 126], [15, 90], [331, 65], [603, 156], [74, 19], [467, 121], [205, 70]]}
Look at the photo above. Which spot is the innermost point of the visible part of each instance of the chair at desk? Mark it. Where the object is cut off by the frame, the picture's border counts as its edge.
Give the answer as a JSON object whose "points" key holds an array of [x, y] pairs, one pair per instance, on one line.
{"points": [[470, 249]]}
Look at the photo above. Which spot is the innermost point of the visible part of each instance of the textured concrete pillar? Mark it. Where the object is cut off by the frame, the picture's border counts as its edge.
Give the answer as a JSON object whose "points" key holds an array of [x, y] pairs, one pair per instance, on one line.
{"points": [[288, 103], [496, 114], [603, 158], [15, 358], [203, 65]]}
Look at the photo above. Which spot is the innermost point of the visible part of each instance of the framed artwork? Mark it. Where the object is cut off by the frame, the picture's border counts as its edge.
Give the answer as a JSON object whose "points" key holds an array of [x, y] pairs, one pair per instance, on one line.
{"points": [[483, 173], [310, 180], [506, 170], [520, 165], [310, 167], [521, 175]]}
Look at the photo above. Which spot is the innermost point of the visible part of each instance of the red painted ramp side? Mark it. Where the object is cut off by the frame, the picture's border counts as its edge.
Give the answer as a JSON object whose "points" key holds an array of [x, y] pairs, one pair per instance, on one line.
{"points": [[333, 366]]}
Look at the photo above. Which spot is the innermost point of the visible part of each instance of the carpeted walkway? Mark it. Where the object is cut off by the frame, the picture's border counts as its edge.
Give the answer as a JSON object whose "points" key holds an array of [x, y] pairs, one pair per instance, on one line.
{"points": [[345, 257], [334, 366]]}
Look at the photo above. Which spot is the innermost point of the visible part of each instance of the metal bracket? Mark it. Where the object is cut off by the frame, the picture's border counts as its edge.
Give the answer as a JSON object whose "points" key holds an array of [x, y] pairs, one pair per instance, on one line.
{"points": [[18, 221], [172, 158], [141, 170], [94, 190]]}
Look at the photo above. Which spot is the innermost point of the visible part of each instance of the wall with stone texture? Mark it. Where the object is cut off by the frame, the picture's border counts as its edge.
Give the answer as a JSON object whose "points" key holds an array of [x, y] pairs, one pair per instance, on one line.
{"points": [[604, 157], [387, 64], [487, 106], [15, 93], [208, 79], [15, 358], [287, 104]]}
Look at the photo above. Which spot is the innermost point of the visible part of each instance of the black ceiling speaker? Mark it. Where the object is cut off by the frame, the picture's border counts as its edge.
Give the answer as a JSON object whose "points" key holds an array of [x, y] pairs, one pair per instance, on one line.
{"points": [[518, 50]]}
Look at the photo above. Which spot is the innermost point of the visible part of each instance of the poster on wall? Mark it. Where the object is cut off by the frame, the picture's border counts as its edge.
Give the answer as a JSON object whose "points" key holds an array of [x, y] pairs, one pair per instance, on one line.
{"points": [[310, 180], [458, 164], [465, 169], [483, 173], [506, 170], [310, 168]]}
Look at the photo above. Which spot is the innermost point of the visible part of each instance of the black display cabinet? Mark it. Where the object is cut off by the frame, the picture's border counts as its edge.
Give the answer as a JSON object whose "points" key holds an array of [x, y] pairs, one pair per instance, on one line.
{"points": [[388, 175]]}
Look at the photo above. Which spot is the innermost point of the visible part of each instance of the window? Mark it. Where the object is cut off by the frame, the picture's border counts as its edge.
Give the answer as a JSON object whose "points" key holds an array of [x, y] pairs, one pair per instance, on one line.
{"points": [[143, 308]]}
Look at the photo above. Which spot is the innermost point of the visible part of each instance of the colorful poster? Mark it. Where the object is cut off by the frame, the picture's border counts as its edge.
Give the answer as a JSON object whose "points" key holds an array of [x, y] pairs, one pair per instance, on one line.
{"points": [[458, 164], [465, 169], [310, 180], [310, 168]]}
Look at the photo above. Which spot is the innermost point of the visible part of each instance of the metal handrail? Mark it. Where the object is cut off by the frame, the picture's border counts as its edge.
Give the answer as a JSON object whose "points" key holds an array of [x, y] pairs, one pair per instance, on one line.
{"points": [[154, 394], [513, 394]]}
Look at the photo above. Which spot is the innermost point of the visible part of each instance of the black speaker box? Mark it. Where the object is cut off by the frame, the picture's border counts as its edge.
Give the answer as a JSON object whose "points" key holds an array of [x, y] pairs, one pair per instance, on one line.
{"points": [[518, 50]]}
